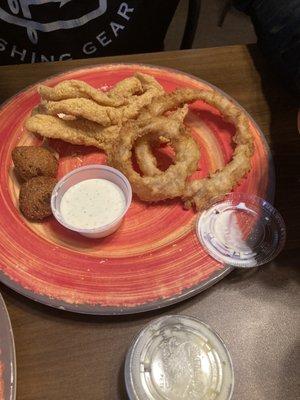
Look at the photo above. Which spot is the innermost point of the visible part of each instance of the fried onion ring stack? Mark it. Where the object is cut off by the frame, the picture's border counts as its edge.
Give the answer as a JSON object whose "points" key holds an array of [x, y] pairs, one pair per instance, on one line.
{"points": [[170, 183], [201, 193]]}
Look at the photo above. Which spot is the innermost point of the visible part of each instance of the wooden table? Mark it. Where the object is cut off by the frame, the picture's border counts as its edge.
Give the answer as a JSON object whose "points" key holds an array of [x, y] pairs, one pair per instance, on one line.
{"points": [[66, 356]]}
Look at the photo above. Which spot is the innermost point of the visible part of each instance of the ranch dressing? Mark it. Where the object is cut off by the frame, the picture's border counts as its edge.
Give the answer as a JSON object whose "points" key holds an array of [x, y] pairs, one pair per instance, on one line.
{"points": [[92, 203]]}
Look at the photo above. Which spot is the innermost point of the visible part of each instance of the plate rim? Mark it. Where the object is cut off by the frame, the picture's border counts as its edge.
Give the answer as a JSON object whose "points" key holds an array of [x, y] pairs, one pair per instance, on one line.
{"points": [[88, 309], [12, 349]]}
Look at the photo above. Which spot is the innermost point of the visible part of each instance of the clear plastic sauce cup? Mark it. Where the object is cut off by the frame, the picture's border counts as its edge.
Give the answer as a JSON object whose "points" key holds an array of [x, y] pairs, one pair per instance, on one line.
{"points": [[178, 357], [242, 231], [95, 171]]}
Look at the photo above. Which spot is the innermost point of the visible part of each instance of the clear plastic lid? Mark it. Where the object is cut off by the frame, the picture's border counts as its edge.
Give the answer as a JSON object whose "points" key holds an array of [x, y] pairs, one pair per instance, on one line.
{"points": [[178, 358], [243, 231]]}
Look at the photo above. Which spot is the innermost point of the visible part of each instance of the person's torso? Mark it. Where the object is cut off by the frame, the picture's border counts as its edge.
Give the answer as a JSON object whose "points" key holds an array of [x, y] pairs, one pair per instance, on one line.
{"points": [[41, 30]]}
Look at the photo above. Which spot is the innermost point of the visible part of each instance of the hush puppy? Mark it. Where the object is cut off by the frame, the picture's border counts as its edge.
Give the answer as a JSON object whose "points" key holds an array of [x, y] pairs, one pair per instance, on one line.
{"points": [[35, 195], [32, 161]]}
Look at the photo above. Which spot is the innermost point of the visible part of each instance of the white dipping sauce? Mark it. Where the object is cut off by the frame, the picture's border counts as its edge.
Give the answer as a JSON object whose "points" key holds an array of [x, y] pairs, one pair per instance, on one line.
{"points": [[92, 203]]}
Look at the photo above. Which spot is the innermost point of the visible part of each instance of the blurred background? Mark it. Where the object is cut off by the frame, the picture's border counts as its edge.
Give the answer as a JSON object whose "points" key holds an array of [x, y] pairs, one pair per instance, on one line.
{"points": [[237, 27]]}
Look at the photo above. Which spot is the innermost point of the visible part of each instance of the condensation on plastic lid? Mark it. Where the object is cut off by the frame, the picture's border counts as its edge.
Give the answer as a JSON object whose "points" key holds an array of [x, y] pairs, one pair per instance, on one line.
{"points": [[178, 357], [242, 231]]}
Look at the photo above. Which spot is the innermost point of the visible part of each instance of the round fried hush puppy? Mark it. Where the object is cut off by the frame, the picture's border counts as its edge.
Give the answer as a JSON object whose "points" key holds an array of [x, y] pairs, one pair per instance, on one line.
{"points": [[35, 195], [32, 161]]}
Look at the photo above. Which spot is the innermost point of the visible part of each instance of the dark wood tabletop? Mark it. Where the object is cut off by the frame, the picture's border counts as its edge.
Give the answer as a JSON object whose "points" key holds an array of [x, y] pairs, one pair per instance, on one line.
{"points": [[66, 356]]}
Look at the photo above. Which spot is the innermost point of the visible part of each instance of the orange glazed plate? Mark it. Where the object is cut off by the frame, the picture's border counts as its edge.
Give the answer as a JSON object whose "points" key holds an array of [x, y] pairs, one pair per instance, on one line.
{"points": [[155, 258]]}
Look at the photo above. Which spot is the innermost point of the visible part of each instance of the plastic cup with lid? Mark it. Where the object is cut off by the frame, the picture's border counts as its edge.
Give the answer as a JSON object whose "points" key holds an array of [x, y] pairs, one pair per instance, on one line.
{"points": [[94, 171], [242, 231], [178, 357]]}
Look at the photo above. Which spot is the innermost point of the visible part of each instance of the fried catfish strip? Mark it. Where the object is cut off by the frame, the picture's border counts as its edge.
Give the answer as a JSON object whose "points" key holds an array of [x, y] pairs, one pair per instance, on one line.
{"points": [[79, 131], [72, 89], [107, 115], [172, 182]]}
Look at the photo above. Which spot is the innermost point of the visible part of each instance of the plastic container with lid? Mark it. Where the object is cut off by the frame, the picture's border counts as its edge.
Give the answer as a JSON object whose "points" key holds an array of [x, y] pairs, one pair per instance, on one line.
{"points": [[95, 171], [178, 358], [243, 231]]}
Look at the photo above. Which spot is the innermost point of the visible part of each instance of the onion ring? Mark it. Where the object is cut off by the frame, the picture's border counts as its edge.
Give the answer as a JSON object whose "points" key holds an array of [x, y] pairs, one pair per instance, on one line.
{"points": [[202, 192], [143, 151], [172, 182]]}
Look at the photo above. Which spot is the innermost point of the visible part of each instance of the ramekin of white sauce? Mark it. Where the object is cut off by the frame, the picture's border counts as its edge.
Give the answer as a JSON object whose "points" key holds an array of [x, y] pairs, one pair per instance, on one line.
{"points": [[92, 200]]}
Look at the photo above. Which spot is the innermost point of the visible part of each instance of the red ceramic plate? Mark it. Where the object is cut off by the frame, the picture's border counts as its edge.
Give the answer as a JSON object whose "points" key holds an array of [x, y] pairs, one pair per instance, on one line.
{"points": [[7, 356], [154, 259]]}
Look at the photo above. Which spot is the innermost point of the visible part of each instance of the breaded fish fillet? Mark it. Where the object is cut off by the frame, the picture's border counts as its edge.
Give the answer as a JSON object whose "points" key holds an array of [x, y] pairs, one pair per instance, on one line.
{"points": [[78, 131], [107, 115], [72, 89]]}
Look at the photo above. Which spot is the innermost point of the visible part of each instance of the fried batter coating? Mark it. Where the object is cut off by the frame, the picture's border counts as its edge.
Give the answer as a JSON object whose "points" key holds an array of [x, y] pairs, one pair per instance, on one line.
{"points": [[143, 151], [79, 131], [137, 123], [72, 89], [107, 115], [202, 192], [35, 196], [88, 133], [31, 161], [171, 183]]}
